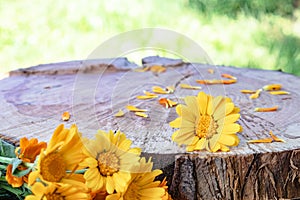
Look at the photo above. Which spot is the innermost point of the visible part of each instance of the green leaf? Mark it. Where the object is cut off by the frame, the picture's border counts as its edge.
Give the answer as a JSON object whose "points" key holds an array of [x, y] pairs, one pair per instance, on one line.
{"points": [[7, 150], [15, 163], [20, 173]]}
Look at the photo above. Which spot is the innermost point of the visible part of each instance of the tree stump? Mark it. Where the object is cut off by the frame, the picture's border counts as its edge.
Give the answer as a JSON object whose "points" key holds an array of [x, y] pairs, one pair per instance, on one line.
{"points": [[33, 99]]}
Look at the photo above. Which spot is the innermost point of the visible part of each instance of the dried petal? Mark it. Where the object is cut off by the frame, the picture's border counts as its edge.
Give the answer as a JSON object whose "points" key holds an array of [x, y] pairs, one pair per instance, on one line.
{"points": [[149, 93], [264, 140], [144, 69], [210, 82], [141, 114], [135, 109], [65, 116], [159, 90], [146, 97], [211, 71], [256, 94], [187, 86], [271, 109], [157, 69], [120, 113], [167, 102], [247, 91], [228, 76], [279, 92], [275, 138], [272, 87]]}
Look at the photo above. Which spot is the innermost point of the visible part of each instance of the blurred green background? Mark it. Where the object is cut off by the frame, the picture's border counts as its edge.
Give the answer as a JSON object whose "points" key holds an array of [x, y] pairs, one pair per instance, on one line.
{"points": [[245, 33]]}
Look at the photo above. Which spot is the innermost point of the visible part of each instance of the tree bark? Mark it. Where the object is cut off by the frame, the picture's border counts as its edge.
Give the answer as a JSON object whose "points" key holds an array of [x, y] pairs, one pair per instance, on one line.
{"points": [[33, 99]]}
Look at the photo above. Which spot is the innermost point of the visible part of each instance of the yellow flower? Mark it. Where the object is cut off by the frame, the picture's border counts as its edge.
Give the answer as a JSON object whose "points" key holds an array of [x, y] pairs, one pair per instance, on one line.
{"points": [[64, 152], [56, 191], [142, 185], [109, 161], [206, 122]]}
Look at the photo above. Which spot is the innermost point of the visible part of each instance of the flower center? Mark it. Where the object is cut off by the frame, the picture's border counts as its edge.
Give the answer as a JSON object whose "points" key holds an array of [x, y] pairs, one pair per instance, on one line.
{"points": [[53, 167], [206, 127], [108, 163], [54, 197]]}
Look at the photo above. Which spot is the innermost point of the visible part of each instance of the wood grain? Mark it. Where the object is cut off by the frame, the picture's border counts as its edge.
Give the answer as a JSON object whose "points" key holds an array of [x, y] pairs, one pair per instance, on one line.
{"points": [[33, 99]]}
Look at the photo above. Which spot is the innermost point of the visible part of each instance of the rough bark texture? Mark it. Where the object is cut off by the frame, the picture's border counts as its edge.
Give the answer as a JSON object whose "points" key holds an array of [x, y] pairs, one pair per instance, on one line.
{"points": [[33, 99]]}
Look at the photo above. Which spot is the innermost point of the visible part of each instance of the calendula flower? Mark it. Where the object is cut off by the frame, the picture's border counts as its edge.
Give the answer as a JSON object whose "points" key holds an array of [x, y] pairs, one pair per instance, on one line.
{"points": [[11, 179], [27, 152], [206, 122], [109, 161], [56, 191], [64, 152], [163, 184], [142, 185], [29, 149]]}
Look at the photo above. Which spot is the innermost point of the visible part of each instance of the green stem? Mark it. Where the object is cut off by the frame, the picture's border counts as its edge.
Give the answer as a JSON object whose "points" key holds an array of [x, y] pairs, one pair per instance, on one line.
{"points": [[80, 171], [2, 167], [5, 160]]}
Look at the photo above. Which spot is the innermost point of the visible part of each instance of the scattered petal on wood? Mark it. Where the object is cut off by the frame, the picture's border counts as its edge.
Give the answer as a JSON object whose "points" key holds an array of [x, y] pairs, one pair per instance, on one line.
{"points": [[141, 114], [275, 138], [65, 116], [167, 102], [272, 87], [247, 91], [159, 90], [170, 89], [144, 97], [228, 76], [271, 109], [149, 93], [120, 113], [279, 92], [211, 82], [157, 69], [211, 71], [135, 109], [187, 86], [144, 69], [264, 140], [256, 94]]}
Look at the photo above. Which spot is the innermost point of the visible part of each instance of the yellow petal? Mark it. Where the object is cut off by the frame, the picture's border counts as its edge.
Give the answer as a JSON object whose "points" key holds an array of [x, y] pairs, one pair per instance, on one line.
{"points": [[141, 114], [229, 140], [275, 138], [256, 94], [143, 97], [134, 109], [149, 93], [200, 144], [211, 71], [192, 104], [202, 102], [264, 140], [247, 91], [229, 129], [176, 123], [231, 118], [279, 92], [228, 76], [158, 68], [272, 87], [110, 186], [120, 113], [271, 109], [159, 90], [187, 86]]}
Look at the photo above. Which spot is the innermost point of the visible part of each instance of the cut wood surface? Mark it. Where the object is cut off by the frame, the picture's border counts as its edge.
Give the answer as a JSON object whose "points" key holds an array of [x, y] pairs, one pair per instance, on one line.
{"points": [[32, 101]]}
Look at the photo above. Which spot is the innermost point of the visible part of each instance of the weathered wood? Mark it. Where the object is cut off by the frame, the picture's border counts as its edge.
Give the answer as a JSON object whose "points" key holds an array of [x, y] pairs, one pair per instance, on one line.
{"points": [[33, 99]]}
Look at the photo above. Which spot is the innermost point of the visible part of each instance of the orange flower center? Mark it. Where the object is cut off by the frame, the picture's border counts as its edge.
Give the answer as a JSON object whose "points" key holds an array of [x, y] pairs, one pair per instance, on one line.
{"points": [[206, 127], [53, 168], [54, 197], [108, 163]]}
